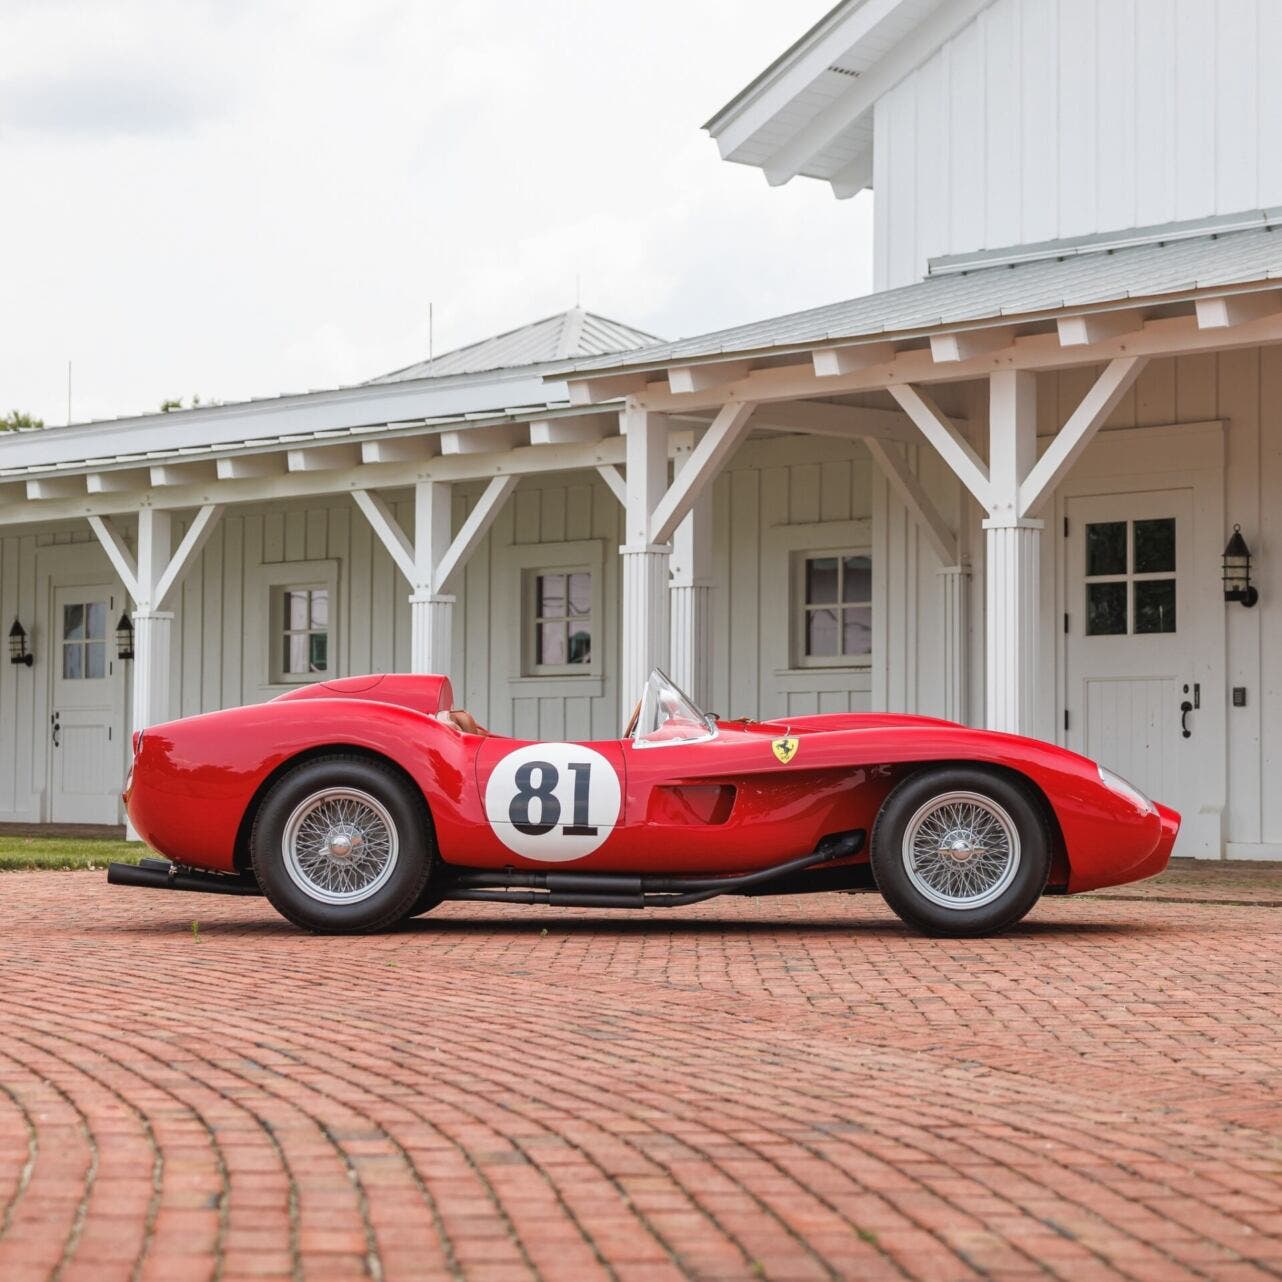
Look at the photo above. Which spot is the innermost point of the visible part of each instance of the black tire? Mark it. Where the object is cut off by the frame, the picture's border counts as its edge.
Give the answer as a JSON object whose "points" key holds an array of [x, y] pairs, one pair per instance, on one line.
{"points": [[381, 809], [999, 823], [431, 896]]}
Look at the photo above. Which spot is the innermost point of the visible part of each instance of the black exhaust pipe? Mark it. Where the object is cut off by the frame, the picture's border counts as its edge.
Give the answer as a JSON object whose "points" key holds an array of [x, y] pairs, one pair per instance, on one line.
{"points": [[156, 874]]}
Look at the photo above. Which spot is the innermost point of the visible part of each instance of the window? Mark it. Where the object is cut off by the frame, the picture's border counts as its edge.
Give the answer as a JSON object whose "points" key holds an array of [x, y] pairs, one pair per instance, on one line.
{"points": [[1130, 577], [558, 622], [833, 609], [84, 641], [302, 644]]}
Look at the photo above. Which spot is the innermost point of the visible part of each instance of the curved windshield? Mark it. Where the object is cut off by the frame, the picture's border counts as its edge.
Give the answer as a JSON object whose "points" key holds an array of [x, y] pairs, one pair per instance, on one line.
{"points": [[669, 716]]}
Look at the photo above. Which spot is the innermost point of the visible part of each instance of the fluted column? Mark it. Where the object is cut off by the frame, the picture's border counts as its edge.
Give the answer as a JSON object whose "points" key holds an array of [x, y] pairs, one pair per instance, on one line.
{"points": [[690, 593], [646, 640], [955, 582], [431, 632], [153, 634], [1012, 598]]}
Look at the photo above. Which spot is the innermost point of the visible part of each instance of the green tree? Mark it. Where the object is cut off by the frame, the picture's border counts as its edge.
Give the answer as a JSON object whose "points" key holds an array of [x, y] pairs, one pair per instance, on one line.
{"points": [[16, 420]]}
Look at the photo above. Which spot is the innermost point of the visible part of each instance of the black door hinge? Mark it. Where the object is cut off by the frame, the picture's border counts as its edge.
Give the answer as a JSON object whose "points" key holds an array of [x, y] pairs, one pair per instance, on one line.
{"points": [[1065, 620], [1066, 527], [1065, 718]]}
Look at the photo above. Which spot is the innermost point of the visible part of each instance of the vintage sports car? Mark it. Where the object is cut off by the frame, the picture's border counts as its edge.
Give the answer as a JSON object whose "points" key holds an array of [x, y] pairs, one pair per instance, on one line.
{"points": [[357, 803]]}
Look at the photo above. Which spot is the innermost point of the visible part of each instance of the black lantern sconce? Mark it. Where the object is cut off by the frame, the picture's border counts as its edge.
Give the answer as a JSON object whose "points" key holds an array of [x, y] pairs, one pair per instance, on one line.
{"points": [[18, 652], [1237, 571], [125, 637]]}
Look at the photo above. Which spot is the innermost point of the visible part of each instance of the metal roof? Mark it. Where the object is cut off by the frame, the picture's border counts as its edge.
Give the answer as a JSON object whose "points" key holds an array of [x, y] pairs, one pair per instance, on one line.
{"points": [[573, 333], [449, 394], [1071, 277]]}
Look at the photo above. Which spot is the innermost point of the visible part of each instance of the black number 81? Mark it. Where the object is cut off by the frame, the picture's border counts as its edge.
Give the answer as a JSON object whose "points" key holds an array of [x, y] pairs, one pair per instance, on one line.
{"points": [[549, 807]]}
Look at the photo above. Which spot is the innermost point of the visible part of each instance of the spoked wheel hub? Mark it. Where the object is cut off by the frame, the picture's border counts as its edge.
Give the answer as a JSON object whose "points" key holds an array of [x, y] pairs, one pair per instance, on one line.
{"points": [[340, 845], [961, 849]]}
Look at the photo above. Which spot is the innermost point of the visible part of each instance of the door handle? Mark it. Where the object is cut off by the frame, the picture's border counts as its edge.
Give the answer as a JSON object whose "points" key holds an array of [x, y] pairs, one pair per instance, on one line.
{"points": [[57, 731], [1185, 708]]}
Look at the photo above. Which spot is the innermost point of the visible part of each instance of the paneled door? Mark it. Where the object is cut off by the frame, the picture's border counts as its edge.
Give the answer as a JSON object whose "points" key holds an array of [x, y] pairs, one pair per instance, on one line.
{"points": [[86, 709], [1132, 699]]}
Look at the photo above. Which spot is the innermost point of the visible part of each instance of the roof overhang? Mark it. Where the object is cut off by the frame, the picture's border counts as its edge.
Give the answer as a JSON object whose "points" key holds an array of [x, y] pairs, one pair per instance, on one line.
{"points": [[810, 112]]}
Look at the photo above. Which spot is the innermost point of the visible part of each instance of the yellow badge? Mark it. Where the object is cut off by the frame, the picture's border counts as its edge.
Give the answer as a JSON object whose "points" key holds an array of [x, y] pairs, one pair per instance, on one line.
{"points": [[784, 749]]}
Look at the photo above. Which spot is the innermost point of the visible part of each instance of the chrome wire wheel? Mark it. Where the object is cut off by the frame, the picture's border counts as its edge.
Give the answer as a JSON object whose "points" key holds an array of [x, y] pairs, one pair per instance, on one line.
{"points": [[340, 846], [961, 850]]}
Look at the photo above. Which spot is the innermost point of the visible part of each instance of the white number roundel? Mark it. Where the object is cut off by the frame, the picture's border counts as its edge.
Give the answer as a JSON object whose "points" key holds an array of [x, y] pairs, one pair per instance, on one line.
{"points": [[553, 801]]}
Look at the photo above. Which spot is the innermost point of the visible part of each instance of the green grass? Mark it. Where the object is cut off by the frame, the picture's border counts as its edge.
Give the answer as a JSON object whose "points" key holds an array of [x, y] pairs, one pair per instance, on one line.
{"points": [[25, 853]]}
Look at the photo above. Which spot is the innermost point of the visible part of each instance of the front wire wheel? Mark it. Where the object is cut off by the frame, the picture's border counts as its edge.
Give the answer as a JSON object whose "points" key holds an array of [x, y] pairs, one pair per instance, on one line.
{"points": [[961, 850]]}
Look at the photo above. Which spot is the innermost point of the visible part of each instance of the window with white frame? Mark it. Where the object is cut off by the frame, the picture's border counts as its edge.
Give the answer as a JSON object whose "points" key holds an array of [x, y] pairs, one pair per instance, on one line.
{"points": [[301, 626], [558, 622], [832, 609]]}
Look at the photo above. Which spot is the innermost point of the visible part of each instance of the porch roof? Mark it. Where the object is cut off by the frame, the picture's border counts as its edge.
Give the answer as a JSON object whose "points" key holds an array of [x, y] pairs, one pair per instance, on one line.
{"points": [[1091, 274]]}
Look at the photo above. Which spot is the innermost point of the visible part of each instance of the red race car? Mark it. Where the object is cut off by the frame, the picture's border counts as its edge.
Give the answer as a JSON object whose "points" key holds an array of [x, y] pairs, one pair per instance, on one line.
{"points": [[355, 804]]}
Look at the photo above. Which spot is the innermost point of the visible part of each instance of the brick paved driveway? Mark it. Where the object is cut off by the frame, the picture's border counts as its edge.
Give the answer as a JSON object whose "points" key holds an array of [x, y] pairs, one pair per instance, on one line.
{"points": [[784, 1089]]}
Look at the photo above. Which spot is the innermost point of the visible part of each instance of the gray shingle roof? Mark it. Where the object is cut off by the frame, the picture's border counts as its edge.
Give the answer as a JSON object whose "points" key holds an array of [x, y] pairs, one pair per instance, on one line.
{"points": [[1080, 277], [567, 334]]}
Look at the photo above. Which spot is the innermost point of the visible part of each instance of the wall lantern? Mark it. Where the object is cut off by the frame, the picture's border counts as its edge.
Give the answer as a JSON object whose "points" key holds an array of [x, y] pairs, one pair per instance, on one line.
{"points": [[18, 645], [1237, 571], [125, 637]]}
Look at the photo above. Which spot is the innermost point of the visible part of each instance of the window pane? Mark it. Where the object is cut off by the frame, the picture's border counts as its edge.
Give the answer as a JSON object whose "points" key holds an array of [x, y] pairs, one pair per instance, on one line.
{"points": [[551, 597], [318, 652], [320, 607], [1105, 609], [1155, 605], [1154, 546], [73, 622], [821, 631], [550, 648], [856, 581], [1106, 548], [856, 630], [72, 661], [296, 611], [580, 591], [97, 619], [821, 580], [580, 645], [96, 659], [295, 653]]}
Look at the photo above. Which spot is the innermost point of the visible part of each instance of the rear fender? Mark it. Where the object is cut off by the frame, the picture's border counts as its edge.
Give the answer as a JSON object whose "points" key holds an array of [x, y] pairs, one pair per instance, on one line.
{"points": [[195, 781]]}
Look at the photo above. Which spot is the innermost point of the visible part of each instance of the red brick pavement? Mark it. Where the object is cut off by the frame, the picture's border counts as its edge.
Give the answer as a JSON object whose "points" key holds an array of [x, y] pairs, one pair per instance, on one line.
{"points": [[789, 1089]]}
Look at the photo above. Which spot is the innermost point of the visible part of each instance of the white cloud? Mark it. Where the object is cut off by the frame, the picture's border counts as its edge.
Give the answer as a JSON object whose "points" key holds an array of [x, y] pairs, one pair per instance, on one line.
{"points": [[240, 199]]}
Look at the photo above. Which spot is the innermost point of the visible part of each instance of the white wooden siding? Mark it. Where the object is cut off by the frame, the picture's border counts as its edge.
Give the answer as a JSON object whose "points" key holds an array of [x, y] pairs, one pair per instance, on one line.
{"points": [[1056, 118]]}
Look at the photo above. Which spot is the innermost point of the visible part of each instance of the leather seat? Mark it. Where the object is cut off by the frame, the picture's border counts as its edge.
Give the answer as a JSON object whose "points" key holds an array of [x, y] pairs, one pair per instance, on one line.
{"points": [[464, 721]]}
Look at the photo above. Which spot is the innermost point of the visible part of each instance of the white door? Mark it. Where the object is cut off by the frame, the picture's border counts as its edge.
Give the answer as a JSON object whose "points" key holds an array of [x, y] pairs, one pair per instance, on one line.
{"points": [[86, 708], [1132, 697]]}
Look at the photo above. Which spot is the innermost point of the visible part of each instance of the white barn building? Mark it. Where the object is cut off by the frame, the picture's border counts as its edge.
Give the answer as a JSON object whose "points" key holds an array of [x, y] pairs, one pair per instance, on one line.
{"points": [[999, 489]]}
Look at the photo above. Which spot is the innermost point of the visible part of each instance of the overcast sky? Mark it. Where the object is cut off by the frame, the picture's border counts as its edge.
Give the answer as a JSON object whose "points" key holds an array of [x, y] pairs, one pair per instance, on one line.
{"points": [[237, 198]]}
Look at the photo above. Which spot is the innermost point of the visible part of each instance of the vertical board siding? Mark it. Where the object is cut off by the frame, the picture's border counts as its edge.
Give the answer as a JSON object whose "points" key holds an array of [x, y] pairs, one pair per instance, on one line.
{"points": [[1057, 118]]}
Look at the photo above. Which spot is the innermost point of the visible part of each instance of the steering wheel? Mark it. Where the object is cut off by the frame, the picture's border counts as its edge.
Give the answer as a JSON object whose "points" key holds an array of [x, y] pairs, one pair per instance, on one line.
{"points": [[632, 721]]}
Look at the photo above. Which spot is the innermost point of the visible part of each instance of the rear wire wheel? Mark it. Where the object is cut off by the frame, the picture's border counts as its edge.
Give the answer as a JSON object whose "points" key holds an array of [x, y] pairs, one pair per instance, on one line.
{"points": [[961, 850], [342, 844]]}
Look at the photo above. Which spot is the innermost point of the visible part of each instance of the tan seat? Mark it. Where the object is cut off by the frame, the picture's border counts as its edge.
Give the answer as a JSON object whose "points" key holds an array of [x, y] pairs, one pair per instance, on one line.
{"points": [[465, 722]]}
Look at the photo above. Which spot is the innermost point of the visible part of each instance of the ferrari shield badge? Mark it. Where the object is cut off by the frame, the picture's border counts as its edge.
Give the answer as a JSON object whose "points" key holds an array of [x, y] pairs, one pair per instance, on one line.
{"points": [[785, 749]]}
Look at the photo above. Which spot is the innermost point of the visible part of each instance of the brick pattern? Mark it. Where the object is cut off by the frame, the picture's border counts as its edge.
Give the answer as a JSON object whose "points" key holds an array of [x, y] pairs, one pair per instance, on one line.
{"points": [[788, 1089]]}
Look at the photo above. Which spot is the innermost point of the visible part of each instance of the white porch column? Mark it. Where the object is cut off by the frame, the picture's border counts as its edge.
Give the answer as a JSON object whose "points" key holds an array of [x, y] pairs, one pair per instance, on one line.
{"points": [[431, 612], [153, 631], [1013, 558], [432, 559], [690, 596], [645, 641], [955, 582]]}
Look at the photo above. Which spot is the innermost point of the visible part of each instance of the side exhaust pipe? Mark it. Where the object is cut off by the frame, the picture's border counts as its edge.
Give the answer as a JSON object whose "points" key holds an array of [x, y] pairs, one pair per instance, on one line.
{"points": [[159, 874]]}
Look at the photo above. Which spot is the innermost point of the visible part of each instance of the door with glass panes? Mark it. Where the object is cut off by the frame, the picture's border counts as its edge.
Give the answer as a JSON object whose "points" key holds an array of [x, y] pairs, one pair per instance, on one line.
{"points": [[86, 707], [1131, 696]]}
